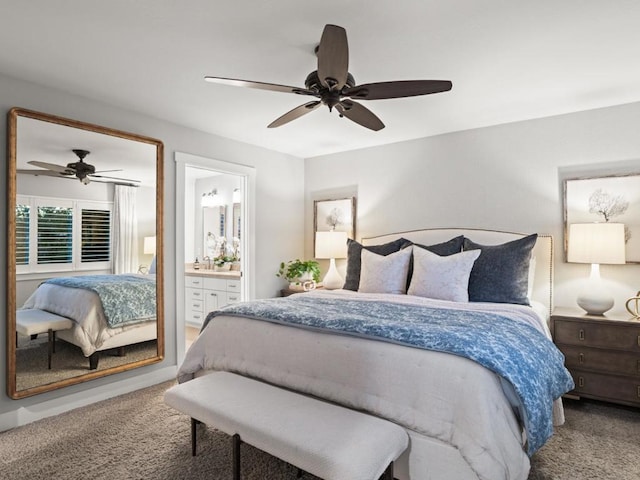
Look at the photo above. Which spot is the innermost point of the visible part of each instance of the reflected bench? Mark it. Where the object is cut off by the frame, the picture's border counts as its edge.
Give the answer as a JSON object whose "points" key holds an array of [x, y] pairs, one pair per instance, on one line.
{"points": [[31, 322]]}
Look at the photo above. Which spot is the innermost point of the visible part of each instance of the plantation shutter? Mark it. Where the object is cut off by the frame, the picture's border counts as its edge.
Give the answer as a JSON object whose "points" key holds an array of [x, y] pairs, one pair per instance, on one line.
{"points": [[23, 214], [55, 235], [96, 235]]}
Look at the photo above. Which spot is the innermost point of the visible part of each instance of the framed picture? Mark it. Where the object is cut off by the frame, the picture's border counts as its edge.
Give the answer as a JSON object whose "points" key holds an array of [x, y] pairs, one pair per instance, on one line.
{"points": [[338, 215], [614, 198]]}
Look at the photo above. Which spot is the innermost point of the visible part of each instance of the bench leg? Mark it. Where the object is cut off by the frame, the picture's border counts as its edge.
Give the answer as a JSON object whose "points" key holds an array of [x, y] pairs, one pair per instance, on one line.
{"points": [[236, 456], [388, 473], [194, 424], [50, 352]]}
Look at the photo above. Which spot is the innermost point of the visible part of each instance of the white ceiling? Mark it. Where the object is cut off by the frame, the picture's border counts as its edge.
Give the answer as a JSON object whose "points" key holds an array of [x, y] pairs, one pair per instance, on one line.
{"points": [[508, 61]]}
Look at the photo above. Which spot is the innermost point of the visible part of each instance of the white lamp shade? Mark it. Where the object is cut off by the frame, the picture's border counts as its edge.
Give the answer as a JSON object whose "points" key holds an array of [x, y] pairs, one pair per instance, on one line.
{"points": [[596, 243], [149, 247], [331, 244]]}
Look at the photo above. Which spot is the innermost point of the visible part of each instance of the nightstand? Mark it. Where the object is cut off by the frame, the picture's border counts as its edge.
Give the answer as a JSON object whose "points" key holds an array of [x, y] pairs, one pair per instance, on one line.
{"points": [[602, 352]]}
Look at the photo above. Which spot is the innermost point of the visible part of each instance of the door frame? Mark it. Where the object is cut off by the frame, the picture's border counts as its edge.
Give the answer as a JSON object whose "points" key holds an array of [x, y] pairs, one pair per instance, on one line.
{"points": [[247, 219]]}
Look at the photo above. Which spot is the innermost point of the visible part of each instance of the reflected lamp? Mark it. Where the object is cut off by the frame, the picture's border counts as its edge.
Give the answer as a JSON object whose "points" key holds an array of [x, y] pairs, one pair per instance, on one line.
{"points": [[149, 246]]}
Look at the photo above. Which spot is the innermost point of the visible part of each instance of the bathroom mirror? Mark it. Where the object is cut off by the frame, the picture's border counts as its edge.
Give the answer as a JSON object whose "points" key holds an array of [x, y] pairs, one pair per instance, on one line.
{"points": [[78, 199], [214, 225], [236, 221]]}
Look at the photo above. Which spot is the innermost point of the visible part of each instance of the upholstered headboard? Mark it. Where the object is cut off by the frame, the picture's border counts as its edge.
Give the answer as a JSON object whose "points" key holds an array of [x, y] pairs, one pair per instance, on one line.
{"points": [[542, 251]]}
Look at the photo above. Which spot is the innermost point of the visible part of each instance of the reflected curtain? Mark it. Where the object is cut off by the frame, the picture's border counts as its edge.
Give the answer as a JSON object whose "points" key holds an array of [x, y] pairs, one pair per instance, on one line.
{"points": [[125, 230]]}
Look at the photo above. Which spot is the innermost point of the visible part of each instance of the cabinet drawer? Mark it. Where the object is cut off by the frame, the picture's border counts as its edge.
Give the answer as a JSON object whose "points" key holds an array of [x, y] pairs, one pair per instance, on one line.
{"points": [[195, 305], [619, 362], [194, 318], [233, 286], [610, 335], [607, 387], [193, 294], [191, 281], [233, 297], [215, 284]]}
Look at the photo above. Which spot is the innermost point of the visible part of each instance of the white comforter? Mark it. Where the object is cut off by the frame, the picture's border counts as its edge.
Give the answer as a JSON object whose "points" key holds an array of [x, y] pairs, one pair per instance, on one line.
{"points": [[90, 329], [438, 395]]}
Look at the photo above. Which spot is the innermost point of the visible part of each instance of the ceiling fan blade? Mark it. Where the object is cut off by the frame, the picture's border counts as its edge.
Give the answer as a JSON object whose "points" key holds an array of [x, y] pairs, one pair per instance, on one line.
{"points": [[105, 171], [259, 85], [126, 183], [359, 114], [399, 89], [295, 113], [93, 176], [46, 173], [333, 57], [52, 166]]}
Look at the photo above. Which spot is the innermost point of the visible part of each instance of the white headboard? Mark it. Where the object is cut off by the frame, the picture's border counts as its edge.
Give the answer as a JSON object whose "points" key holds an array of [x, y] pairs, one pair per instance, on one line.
{"points": [[542, 251]]}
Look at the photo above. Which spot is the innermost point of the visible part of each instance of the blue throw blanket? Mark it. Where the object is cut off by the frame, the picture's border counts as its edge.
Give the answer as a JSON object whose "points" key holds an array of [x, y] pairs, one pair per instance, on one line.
{"points": [[512, 349], [126, 299]]}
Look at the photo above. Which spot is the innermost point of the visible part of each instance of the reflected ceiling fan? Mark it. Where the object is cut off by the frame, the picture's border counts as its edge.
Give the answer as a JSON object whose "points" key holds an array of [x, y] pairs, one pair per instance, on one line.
{"points": [[81, 170], [334, 86]]}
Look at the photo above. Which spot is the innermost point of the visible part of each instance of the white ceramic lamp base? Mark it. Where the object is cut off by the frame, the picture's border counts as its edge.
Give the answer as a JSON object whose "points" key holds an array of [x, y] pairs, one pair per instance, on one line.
{"points": [[332, 280], [594, 299]]}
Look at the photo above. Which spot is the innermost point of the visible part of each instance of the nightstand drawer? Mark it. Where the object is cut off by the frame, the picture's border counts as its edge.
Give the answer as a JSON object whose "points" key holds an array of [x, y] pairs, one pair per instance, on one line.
{"points": [[620, 362], [617, 336], [606, 387]]}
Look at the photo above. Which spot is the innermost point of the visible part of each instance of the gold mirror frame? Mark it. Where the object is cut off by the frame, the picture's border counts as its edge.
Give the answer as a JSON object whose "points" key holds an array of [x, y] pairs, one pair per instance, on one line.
{"points": [[11, 251]]}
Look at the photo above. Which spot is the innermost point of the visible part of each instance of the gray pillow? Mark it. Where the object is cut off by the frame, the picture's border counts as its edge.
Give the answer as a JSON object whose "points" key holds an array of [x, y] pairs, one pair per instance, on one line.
{"points": [[501, 272], [447, 248], [354, 260]]}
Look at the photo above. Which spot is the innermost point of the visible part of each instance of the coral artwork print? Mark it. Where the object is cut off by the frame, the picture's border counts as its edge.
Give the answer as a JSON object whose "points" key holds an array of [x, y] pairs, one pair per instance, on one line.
{"points": [[613, 199]]}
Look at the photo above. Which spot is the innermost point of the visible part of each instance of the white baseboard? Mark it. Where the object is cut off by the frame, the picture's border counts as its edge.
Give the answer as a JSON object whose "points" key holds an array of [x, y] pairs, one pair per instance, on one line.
{"points": [[24, 415]]}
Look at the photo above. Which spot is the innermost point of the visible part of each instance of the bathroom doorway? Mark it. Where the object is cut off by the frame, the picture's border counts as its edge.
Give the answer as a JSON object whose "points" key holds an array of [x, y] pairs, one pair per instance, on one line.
{"points": [[214, 241]]}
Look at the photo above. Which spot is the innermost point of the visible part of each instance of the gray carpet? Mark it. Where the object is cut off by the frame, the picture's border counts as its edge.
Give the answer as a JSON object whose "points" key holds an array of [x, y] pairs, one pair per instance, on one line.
{"points": [[136, 436]]}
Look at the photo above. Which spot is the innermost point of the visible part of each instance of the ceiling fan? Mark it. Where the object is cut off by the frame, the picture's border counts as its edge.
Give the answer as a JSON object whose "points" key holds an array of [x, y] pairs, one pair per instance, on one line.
{"points": [[334, 86], [84, 172]]}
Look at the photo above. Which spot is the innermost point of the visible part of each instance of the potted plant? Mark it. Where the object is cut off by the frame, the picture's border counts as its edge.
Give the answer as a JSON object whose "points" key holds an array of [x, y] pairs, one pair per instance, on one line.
{"points": [[222, 263], [297, 272]]}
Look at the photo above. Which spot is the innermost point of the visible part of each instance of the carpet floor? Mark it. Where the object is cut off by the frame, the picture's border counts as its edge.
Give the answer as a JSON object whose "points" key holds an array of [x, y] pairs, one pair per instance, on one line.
{"points": [[136, 436]]}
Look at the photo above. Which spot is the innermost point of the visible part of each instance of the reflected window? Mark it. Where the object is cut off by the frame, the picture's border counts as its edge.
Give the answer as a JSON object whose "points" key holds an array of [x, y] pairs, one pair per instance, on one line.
{"points": [[55, 234]]}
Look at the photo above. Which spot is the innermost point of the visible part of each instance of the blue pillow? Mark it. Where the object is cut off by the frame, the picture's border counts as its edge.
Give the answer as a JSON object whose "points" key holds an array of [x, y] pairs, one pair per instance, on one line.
{"points": [[354, 260], [501, 272]]}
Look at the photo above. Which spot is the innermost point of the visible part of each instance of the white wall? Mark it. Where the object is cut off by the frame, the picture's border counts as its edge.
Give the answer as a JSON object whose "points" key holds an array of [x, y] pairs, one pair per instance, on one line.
{"points": [[279, 228], [507, 177]]}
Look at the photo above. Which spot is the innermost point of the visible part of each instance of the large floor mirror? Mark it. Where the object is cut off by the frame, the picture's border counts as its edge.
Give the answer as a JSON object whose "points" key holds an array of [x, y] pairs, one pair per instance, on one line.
{"points": [[85, 266]]}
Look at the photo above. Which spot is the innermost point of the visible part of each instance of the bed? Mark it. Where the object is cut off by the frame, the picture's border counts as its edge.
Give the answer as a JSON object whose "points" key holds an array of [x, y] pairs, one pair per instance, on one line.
{"points": [[464, 419], [108, 311]]}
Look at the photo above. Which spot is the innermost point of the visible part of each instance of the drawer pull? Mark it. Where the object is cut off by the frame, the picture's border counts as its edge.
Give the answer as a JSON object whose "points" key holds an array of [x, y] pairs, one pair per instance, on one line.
{"points": [[196, 294], [233, 298], [581, 357], [581, 334], [581, 382], [213, 294]]}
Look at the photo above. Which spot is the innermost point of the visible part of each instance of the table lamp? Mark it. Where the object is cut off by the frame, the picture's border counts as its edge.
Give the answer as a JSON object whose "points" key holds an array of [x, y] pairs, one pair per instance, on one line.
{"points": [[596, 243], [332, 245], [149, 246]]}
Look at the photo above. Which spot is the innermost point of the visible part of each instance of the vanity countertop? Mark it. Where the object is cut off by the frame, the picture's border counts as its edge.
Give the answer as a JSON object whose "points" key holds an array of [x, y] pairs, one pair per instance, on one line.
{"points": [[212, 273]]}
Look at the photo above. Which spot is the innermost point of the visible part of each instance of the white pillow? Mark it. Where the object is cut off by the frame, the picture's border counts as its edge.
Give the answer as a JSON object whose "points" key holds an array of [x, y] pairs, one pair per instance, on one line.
{"points": [[384, 273], [442, 278]]}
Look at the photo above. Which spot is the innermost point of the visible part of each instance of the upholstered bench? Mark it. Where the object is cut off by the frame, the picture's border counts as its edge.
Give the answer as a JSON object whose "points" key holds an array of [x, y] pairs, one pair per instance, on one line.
{"points": [[326, 440], [32, 321]]}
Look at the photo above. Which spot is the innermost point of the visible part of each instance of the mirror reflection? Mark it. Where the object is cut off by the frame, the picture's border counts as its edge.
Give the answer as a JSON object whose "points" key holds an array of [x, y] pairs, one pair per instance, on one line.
{"points": [[85, 283]]}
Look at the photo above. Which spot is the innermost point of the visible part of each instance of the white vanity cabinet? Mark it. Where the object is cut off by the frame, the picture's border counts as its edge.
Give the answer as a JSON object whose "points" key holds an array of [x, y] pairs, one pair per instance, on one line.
{"points": [[205, 293]]}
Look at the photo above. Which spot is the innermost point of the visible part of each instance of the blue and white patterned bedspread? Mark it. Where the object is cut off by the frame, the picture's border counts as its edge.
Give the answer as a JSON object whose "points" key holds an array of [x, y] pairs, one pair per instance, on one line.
{"points": [[517, 351], [126, 299]]}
